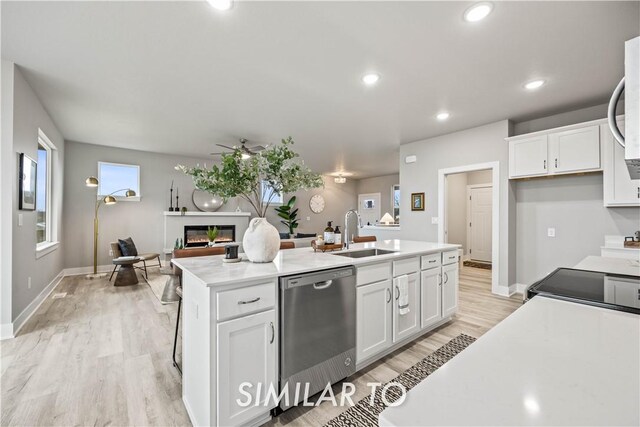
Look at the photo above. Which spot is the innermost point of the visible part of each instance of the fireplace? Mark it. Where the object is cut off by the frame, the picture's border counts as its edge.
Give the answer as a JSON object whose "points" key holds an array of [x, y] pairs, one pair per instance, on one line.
{"points": [[196, 235]]}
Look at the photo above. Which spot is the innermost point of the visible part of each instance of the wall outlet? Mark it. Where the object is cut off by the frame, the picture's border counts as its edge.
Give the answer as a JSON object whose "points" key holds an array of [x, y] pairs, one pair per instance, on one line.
{"points": [[308, 218], [28, 282], [551, 232], [20, 220], [111, 253], [434, 220]]}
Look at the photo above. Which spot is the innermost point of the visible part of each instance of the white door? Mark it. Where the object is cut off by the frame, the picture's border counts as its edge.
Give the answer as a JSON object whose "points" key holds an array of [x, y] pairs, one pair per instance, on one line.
{"points": [[431, 296], [528, 157], [480, 223], [405, 325], [575, 150], [373, 319], [369, 208], [246, 353], [449, 289]]}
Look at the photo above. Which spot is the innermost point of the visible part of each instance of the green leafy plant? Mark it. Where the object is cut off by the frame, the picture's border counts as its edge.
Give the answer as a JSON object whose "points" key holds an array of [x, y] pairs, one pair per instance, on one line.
{"points": [[277, 166], [212, 233], [289, 215]]}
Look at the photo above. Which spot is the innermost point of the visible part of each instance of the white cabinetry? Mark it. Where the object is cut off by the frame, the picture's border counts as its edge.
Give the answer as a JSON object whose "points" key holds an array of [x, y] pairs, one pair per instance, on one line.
{"points": [[430, 283], [619, 189], [571, 149], [373, 319], [574, 150], [246, 354], [405, 325], [450, 278], [528, 157]]}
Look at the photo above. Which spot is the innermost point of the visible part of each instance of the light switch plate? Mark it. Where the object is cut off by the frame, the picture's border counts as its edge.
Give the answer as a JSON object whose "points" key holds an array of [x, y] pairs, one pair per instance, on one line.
{"points": [[434, 220], [551, 232], [20, 220]]}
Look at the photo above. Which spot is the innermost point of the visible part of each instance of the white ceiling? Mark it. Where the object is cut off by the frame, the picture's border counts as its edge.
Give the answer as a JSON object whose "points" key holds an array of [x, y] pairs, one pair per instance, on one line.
{"points": [[176, 77]]}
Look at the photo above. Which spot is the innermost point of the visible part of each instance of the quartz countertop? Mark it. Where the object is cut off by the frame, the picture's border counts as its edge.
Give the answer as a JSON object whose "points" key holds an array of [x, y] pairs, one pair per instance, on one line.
{"points": [[629, 267], [550, 362], [212, 271]]}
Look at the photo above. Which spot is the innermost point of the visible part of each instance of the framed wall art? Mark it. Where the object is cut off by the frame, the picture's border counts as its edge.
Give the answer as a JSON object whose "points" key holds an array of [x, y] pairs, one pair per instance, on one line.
{"points": [[417, 201]]}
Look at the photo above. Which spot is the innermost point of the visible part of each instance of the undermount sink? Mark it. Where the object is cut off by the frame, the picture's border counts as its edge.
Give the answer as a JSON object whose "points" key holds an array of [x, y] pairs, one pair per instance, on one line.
{"points": [[364, 253]]}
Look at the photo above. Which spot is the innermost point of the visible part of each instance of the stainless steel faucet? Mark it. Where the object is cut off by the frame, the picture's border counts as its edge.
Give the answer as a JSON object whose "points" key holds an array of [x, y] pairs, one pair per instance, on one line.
{"points": [[347, 236]]}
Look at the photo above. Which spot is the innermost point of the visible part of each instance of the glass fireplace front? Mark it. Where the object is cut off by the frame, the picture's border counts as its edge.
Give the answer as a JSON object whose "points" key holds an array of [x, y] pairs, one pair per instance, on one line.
{"points": [[196, 235]]}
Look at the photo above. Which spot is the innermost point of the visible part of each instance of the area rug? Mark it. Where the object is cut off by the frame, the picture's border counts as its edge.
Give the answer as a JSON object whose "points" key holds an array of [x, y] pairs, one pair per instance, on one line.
{"points": [[477, 264], [158, 284], [363, 414]]}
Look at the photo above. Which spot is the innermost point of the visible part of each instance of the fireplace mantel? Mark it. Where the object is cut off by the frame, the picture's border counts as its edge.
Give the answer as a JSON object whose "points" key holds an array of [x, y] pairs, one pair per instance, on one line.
{"points": [[174, 223]]}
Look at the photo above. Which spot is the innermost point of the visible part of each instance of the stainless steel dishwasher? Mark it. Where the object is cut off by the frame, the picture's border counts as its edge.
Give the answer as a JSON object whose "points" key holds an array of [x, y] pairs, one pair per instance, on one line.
{"points": [[317, 331]]}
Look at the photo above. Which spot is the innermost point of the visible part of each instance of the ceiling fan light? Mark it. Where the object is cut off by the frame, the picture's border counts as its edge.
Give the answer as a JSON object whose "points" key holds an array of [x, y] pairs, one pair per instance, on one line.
{"points": [[245, 156]]}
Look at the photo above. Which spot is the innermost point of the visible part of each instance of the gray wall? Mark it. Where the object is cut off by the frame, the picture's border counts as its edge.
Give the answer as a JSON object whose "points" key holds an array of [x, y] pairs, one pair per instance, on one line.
{"points": [[564, 119], [573, 206], [477, 145], [28, 116], [142, 220], [382, 185], [456, 212]]}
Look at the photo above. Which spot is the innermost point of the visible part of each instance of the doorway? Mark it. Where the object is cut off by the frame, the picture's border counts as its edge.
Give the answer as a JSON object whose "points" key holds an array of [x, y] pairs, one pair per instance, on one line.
{"points": [[369, 208], [468, 215]]}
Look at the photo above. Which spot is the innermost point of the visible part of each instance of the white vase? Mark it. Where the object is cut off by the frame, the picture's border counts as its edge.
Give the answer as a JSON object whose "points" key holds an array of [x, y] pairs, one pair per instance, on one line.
{"points": [[261, 241]]}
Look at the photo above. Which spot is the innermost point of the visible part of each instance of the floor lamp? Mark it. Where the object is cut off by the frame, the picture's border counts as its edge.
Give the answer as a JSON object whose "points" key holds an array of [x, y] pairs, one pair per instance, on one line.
{"points": [[109, 199]]}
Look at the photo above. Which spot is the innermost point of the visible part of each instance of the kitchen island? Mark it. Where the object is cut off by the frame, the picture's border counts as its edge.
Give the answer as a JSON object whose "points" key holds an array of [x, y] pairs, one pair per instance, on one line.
{"points": [[231, 318]]}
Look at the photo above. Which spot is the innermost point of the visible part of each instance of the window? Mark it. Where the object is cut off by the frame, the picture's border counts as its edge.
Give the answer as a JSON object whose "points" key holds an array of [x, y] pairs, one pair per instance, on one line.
{"points": [[395, 202], [45, 222], [117, 178], [269, 193]]}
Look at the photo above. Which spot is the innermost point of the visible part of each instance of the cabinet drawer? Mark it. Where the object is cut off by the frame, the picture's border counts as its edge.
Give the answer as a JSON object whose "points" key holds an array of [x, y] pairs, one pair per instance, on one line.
{"points": [[430, 261], [449, 257], [406, 266], [373, 273], [238, 302]]}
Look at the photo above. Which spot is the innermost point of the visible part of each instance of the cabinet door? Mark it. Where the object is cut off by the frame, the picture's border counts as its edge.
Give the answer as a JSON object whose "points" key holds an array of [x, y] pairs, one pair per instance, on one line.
{"points": [[575, 150], [405, 325], [430, 285], [528, 157], [622, 291], [449, 290], [246, 353], [619, 188], [373, 321]]}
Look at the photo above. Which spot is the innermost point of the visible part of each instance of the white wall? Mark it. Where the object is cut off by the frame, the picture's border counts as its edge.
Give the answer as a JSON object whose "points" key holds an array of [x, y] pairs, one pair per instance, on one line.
{"points": [[22, 137], [472, 146], [380, 184]]}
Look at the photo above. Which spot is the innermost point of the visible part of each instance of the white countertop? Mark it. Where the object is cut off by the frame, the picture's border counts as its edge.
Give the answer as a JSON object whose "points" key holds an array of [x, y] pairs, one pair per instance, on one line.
{"points": [[212, 271], [629, 267], [551, 362]]}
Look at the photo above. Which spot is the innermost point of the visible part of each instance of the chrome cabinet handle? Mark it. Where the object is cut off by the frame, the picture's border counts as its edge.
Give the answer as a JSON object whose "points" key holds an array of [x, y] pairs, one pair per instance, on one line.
{"points": [[433, 260], [446, 278], [389, 294], [452, 257], [397, 289], [273, 333], [250, 301], [439, 279], [323, 285]]}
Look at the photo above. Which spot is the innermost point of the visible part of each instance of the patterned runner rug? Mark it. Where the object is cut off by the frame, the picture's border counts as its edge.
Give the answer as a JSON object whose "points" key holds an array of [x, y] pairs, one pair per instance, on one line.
{"points": [[362, 414], [477, 264]]}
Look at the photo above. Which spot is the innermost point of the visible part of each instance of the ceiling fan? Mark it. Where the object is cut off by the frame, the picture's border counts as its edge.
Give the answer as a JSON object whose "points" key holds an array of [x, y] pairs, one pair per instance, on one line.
{"points": [[247, 151]]}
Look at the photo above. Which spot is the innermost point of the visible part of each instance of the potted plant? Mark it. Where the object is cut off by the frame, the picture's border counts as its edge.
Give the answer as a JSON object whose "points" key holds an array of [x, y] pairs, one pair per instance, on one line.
{"points": [[277, 168], [212, 233], [289, 215]]}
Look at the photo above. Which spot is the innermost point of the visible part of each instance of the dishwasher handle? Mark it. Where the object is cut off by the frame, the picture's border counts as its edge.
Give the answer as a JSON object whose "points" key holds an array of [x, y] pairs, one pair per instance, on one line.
{"points": [[322, 285]]}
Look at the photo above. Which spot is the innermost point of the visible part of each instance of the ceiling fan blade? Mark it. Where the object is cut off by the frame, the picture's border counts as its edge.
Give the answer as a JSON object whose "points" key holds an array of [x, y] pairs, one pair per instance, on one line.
{"points": [[216, 154], [226, 146], [257, 148]]}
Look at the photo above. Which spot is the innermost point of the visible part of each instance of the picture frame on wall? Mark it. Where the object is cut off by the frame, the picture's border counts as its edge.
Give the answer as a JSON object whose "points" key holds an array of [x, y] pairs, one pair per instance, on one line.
{"points": [[417, 201], [27, 183]]}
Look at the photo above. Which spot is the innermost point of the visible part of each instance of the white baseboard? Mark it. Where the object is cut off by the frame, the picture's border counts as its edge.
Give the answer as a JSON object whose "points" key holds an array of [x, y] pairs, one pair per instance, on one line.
{"points": [[87, 270], [6, 331], [22, 318], [503, 291]]}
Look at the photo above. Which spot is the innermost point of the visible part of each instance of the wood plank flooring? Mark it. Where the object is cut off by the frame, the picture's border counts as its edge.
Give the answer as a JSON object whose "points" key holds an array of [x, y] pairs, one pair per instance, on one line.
{"points": [[102, 356]]}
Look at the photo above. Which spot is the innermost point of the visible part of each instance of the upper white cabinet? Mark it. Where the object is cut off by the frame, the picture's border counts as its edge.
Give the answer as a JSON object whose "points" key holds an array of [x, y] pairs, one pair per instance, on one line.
{"points": [[619, 188], [572, 149], [575, 150], [528, 157]]}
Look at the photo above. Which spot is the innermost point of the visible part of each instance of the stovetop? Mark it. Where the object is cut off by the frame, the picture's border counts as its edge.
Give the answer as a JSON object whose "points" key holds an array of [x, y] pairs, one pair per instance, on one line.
{"points": [[611, 291]]}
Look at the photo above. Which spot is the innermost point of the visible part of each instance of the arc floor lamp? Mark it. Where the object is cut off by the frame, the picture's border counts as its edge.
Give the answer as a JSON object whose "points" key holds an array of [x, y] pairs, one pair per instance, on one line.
{"points": [[109, 199]]}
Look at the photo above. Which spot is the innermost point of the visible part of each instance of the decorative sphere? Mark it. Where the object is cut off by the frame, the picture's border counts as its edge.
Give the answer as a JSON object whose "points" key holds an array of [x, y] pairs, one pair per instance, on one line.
{"points": [[206, 202]]}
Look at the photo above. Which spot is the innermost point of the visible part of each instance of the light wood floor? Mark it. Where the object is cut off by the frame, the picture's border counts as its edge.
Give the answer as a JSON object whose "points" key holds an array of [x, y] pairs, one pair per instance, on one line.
{"points": [[102, 356]]}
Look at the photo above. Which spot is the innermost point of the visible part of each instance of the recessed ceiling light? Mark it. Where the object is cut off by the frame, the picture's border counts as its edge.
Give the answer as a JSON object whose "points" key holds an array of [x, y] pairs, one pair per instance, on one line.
{"points": [[221, 4], [442, 116], [478, 11], [534, 84], [370, 78]]}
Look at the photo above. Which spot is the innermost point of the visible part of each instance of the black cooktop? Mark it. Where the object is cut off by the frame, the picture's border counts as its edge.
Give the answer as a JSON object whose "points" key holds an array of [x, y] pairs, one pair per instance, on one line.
{"points": [[613, 291]]}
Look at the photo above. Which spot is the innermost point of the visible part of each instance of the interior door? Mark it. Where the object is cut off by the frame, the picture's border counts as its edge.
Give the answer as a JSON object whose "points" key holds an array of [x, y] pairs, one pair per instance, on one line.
{"points": [[480, 216], [369, 208]]}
